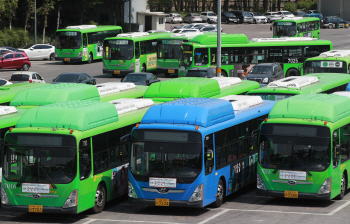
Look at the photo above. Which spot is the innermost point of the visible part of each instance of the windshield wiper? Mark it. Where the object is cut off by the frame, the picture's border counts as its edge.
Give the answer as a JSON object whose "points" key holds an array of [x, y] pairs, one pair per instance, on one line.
{"points": [[21, 180], [279, 166], [174, 170], [47, 176], [307, 170]]}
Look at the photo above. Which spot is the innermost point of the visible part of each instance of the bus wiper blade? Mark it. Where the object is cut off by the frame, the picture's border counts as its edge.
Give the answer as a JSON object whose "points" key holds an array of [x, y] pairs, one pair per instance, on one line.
{"points": [[174, 170], [47, 176], [307, 170], [280, 165], [21, 180]]}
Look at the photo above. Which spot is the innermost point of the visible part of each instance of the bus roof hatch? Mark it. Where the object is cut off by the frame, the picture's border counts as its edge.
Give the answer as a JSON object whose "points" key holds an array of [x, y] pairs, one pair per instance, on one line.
{"points": [[294, 82], [127, 105], [7, 110], [283, 39], [113, 87], [335, 53], [133, 34], [81, 27], [227, 81], [189, 34], [240, 102]]}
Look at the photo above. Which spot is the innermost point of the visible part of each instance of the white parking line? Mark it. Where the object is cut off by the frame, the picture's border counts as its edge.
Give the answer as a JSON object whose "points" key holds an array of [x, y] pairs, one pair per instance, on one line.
{"points": [[339, 208], [214, 216], [127, 221]]}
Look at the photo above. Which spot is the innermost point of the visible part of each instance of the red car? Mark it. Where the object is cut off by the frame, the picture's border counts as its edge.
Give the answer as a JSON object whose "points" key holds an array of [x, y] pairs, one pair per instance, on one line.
{"points": [[15, 60]]}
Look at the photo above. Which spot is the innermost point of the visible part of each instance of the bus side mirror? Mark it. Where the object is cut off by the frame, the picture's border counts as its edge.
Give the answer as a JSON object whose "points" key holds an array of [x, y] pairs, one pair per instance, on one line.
{"points": [[85, 158], [336, 151], [209, 154], [125, 139]]}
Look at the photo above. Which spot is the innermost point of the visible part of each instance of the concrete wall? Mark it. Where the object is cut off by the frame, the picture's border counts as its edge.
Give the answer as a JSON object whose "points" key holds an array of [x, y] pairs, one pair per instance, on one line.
{"points": [[136, 6]]}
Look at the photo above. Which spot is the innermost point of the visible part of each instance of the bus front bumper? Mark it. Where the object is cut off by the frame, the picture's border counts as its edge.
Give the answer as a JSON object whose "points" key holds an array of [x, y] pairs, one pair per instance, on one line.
{"points": [[117, 72], [151, 202], [280, 194], [23, 208], [170, 71], [70, 59]]}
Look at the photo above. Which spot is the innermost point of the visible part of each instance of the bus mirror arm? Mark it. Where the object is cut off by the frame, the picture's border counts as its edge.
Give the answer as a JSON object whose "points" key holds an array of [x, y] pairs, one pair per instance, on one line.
{"points": [[209, 155], [125, 139], [336, 150]]}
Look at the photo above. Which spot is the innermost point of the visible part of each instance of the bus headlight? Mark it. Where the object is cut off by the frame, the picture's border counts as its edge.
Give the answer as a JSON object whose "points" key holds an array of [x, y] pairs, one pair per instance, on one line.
{"points": [[197, 194], [260, 183], [265, 80], [4, 199], [131, 191], [80, 54], [326, 187], [131, 66], [72, 200]]}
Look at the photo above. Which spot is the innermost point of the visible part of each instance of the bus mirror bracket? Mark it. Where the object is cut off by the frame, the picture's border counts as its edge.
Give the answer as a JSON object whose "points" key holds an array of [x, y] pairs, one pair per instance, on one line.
{"points": [[209, 154], [125, 139], [337, 150]]}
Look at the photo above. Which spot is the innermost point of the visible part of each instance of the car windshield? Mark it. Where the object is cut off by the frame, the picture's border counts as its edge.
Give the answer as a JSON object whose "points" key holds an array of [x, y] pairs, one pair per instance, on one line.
{"points": [[287, 13], [185, 26], [273, 97], [295, 147], [228, 14], [67, 78], [177, 31], [135, 78], [169, 49], [177, 15], [211, 14], [68, 40], [194, 15], [19, 77], [28, 46], [186, 55], [325, 67], [181, 26], [197, 74], [40, 158], [257, 14], [287, 29], [261, 70], [246, 14], [166, 153], [119, 49]]}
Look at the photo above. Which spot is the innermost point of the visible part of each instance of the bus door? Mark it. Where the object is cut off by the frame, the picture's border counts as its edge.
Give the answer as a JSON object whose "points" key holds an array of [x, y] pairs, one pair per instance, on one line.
{"points": [[86, 191], [336, 175], [85, 50], [137, 57], [209, 179]]}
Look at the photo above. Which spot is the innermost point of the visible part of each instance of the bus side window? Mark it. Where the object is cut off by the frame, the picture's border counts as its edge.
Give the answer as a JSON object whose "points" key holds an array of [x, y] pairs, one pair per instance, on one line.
{"points": [[84, 40], [335, 151], [100, 152], [345, 143], [84, 158], [232, 153], [220, 148], [299, 29], [208, 147], [137, 50]]}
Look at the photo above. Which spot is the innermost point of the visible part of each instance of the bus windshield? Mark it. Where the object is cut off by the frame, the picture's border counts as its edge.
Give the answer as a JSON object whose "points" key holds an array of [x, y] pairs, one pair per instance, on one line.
{"points": [[118, 49], [163, 153], [287, 29], [273, 97], [68, 40], [295, 147], [325, 67], [40, 158], [186, 56], [169, 49]]}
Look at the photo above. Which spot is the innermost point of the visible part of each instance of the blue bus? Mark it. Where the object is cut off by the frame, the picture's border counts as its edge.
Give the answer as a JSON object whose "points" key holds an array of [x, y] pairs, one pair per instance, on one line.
{"points": [[194, 152]]}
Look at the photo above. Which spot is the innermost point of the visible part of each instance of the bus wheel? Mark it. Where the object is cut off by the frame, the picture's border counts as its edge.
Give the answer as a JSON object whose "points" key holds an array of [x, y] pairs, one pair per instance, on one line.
{"points": [[342, 187], [219, 195], [223, 73], [292, 72], [100, 199], [90, 58], [143, 69]]}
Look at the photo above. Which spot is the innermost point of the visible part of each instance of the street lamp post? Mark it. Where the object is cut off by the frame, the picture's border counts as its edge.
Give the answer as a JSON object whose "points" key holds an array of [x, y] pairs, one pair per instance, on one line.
{"points": [[218, 53], [35, 22]]}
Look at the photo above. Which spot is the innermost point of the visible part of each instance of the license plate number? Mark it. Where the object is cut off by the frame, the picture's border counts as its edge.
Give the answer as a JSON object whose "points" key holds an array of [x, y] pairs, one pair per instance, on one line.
{"points": [[171, 71], [291, 194], [162, 202], [67, 59], [117, 72], [35, 208]]}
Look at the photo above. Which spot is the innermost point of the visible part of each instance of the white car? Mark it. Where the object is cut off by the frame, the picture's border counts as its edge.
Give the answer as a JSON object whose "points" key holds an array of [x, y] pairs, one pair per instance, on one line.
{"points": [[258, 18], [4, 82], [286, 14], [30, 77], [209, 17], [272, 16], [185, 31], [173, 18], [39, 51]]}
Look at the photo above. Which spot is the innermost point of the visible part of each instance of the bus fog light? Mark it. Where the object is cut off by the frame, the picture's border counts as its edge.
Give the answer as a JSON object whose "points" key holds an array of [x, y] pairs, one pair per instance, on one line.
{"points": [[265, 80], [260, 183], [72, 200], [4, 199], [326, 187], [131, 191], [197, 194]]}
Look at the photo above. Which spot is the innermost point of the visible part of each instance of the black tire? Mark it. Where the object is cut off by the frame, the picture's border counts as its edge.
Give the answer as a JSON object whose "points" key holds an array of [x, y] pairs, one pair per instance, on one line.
{"points": [[292, 72], [223, 73], [90, 59], [227, 22], [52, 57], [100, 199], [255, 21], [269, 20], [342, 187], [94, 82], [25, 67], [208, 21], [220, 194], [143, 69]]}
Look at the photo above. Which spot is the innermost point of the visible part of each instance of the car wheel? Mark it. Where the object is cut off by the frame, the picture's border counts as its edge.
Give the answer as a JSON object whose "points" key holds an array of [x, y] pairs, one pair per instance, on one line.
{"points": [[227, 22], [100, 199], [90, 58], [292, 72], [94, 82], [255, 21], [25, 67], [143, 69], [52, 56], [208, 21], [172, 21], [342, 187], [223, 73], [269, 20], [219, 195]]}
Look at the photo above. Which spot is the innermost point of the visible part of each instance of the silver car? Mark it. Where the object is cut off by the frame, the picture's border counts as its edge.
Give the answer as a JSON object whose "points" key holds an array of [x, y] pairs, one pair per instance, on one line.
{"points": [[192, 18], [272, 16]]}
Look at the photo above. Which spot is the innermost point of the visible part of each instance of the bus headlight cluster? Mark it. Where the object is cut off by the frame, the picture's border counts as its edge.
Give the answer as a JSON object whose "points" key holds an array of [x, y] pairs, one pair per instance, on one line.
{"points": [[326, 187], [265, 80], [197, 194], [131, 191], [260, 183], [131, 66], [80, 54], [4, 199], [72, 200]]}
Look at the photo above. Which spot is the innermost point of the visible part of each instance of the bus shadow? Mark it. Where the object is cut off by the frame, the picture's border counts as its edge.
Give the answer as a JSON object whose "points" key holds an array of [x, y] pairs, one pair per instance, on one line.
{"points": [[46, 218]]}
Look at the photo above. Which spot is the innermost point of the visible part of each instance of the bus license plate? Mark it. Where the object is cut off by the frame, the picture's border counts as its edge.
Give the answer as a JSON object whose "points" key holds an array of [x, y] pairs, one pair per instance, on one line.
{"points": [[67, 59], [162, 202], [117, 72], [171, 71], [291, 194], [35, 208]]}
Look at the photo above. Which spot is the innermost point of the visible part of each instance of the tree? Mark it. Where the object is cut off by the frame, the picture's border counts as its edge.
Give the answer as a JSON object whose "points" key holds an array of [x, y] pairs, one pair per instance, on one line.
{"points": [[10, 8], [44, 10], [291, 7], [29, 11], [82, 6]]}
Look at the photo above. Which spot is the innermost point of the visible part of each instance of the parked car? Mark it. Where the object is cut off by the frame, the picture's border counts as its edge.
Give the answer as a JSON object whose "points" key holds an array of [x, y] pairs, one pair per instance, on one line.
{"points": [[265, 73], [4, 50], [39, 51], [9, 48], [185, 31], [193, 25], [15, 60], [209, 28], [209, 17], [178, 27], [192, 18], [300, 13], [258, 18], [4, 82], [202, 72], [317, 15], [158, 31], [29, 77], [330, 21], [227, 17], [74, 77], [143, 78], [272, 16], [243, 16], [173, 18], [286, 14], [311, 11]]}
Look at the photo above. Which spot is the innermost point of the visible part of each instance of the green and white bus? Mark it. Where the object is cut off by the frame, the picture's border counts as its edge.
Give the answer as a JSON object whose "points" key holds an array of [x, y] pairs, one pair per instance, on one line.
{"points": [[304, 153], [336, 61], [300, 85], [239, 54], [297, 27], [82, 43], [9, 91], [131, 52], [169, 49], [69, 157]]}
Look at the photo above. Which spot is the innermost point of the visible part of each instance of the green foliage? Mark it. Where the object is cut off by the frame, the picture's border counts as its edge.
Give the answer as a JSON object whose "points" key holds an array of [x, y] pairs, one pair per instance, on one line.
{"points": [[313, 6], [15, 37], [307, 5], [125, 26], [91, 22], [291, 7], [163, 5]]}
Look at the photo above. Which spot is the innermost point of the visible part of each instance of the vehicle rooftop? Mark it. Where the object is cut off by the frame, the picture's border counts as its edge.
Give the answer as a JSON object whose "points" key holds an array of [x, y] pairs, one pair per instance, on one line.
{"points": [[23, 73], [90, 28]]}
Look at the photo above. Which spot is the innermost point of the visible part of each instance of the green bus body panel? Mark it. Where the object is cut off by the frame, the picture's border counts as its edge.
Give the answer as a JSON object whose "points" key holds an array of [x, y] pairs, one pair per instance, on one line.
{"points": [[8, 92], [137, 92], [211, 39], [326, 81], [77, 115], [314, 33], [99, 28], [9, 120], [55, 93]]}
